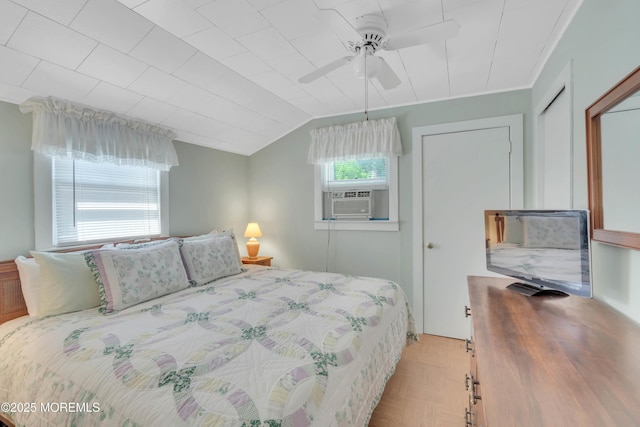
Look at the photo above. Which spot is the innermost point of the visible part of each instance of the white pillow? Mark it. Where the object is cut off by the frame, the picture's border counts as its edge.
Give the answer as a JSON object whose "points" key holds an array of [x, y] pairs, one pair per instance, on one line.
{"points": [[67, 284], [209, 259], [29, 272]]}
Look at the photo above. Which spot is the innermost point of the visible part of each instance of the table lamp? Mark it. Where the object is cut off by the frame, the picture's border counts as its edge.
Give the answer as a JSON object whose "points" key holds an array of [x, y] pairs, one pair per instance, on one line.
{"points": [[253, 246]]}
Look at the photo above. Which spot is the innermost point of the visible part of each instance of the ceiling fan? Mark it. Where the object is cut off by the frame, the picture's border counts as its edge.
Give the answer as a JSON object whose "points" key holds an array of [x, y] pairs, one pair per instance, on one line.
{"points": [[371, 30]]}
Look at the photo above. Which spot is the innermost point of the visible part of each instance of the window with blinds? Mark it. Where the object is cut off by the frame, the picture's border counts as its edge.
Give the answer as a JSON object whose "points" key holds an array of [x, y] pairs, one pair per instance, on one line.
{"points": [[369, 173], [95, 202]]}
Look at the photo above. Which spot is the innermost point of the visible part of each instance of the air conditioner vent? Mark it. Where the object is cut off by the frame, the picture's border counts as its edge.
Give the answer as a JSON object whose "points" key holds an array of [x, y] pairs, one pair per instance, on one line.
{"points": [[351, 204]]}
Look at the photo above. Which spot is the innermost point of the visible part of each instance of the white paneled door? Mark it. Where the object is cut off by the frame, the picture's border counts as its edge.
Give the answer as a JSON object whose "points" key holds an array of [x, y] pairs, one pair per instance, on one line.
{"points": [[463, 173]]}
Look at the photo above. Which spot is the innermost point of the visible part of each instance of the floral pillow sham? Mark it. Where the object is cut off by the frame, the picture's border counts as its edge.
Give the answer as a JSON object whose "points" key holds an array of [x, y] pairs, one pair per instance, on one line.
{"points": [[127, 278], [209, 259]]}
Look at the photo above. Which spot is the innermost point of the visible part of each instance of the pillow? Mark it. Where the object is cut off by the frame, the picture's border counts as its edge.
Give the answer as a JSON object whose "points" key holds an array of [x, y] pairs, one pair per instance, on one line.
{"points": [[66, 283], [138, 245], [127, 278], [229, 232], [209, 259], [29, 272], [209, 235], [551, 232]]}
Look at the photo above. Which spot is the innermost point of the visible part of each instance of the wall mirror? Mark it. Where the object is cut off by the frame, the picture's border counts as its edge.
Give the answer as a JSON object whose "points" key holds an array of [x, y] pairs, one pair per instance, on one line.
{"points": [[613, 154]]}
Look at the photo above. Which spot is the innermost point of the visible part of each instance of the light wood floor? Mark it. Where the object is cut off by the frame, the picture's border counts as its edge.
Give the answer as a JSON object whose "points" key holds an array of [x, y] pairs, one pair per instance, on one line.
{"points": [[427, 389]]}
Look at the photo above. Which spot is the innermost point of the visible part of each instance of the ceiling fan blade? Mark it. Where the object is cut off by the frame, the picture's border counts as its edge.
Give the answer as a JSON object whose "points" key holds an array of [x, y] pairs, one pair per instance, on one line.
{"points": [[333, 19], [325, 69], [387, 77], [440, 31]]}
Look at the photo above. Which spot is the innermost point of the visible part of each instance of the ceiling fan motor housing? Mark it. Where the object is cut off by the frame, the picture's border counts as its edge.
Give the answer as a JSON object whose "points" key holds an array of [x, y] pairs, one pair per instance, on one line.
{"points": [[373, 29]]}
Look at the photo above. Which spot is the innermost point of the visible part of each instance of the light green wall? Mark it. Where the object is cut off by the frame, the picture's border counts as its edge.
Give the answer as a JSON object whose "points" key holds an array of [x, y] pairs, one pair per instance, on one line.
{"points": [[208, 190], [602, 44], [281, 193], [16, 182]]}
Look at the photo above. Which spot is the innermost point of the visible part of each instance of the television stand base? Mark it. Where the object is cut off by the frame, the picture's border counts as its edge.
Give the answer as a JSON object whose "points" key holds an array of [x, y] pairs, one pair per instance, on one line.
{"points": [[534, 291]]}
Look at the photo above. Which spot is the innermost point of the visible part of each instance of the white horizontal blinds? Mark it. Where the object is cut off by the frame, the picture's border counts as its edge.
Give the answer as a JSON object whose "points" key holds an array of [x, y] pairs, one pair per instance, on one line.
{"points": [[100, 201], [371, 173]]}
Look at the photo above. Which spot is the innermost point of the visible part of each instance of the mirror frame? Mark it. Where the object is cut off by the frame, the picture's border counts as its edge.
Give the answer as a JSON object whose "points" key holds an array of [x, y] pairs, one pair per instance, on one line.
{"points": [[618, 93]]}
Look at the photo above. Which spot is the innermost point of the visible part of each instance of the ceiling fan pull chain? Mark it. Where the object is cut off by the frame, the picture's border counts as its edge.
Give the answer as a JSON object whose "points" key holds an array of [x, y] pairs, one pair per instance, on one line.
{"points": [[366, 88]]}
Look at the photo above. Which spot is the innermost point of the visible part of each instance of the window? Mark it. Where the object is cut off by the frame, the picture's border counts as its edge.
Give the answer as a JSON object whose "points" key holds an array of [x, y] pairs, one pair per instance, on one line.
{"points": [[375, 180], [84, 202], [369, 173]]}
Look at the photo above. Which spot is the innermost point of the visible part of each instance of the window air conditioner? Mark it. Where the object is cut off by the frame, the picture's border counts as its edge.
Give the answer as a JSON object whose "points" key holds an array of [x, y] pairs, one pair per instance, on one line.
{"points": [[355, 204]]}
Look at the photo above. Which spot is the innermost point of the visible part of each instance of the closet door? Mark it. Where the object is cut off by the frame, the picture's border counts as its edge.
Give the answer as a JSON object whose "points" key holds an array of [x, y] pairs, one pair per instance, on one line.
{"points": [[464, 173]]}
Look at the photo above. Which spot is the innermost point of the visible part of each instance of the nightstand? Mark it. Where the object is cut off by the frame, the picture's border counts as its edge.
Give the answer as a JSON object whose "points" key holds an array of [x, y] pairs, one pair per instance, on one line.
{"points": [[261, 260]]}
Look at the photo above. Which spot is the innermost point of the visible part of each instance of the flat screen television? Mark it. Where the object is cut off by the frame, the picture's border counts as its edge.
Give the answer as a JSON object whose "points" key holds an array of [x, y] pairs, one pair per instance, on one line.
{"points": [[547, 251]]}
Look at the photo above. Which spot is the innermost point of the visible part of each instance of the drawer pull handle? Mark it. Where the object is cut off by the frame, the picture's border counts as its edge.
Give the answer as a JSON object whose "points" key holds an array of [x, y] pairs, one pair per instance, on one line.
{"points": [[467, 311], [467, 418], [474, 391], [468, 346]]}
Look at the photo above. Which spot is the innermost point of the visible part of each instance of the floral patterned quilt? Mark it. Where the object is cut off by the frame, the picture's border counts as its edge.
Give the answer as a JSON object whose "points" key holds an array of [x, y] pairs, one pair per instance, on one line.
{"points": [[266, 347]]}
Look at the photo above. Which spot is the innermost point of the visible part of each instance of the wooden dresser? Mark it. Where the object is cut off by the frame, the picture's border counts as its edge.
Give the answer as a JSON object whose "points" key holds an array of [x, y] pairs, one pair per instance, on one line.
{"points": [[550, 361]]}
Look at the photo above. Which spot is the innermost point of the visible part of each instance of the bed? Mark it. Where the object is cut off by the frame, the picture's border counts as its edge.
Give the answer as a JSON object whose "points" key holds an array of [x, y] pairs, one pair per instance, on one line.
{"points": [[255, 346]]}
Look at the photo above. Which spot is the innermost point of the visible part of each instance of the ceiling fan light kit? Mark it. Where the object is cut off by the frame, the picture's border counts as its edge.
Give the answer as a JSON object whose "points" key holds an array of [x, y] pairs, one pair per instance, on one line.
{"points": [[367, 66]]}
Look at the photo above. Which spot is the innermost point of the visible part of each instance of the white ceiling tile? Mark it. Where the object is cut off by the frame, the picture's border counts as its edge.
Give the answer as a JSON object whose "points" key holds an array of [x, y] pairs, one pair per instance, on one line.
{"points": [[241, 136], [309, 105], [21, 66], [294, 18], [132, 3], [112, 24], [469, 74], [279, 85], [203, 71], [50, 79], [157, 84], [246, 64], [356, 8], [234, 17], [196, 123], [320, 46], [427, 71], [10, 16], [191, 98], [152, 110], [194, 4], [509, 73], [112, 66], [263, 4], [61, 11], [163, 50], [267, 44], [292, 66], [174, 16], [215, 43], [46, 39], [227, 111], [112, 98], [15, 94], [408, 16]]}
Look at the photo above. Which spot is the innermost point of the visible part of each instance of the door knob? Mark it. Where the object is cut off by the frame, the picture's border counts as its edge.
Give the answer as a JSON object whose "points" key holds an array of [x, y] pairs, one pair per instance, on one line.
{"points": [[430, 245]]}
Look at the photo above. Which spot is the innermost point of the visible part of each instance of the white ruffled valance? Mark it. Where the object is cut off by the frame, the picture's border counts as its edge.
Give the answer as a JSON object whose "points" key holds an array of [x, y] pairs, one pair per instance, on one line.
{"points": [[370, 138], [63, 129]]}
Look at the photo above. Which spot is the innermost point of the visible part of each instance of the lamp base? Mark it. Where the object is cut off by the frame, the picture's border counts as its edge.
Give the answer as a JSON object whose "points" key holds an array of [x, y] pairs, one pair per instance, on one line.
{"points": [[253, 246]]}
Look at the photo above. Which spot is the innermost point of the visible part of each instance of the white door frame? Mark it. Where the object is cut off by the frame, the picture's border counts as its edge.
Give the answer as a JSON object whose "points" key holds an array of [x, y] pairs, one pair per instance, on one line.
{"points": [[516, 136]]}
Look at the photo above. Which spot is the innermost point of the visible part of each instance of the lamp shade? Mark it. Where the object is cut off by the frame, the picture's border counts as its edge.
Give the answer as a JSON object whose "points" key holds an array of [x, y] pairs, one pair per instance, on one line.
{"points": [[252, 230]]}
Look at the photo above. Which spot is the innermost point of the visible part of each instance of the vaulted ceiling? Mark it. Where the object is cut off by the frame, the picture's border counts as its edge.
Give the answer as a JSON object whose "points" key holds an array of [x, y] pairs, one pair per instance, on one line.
{"points": [[224, 73]]}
